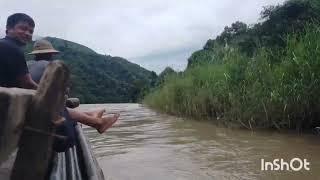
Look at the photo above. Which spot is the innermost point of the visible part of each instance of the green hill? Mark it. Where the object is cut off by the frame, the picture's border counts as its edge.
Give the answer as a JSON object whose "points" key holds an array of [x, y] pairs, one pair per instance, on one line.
{"points": [[99, 78]]}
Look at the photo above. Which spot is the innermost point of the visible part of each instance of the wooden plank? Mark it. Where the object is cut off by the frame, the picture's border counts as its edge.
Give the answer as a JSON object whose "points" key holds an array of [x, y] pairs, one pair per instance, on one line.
{"points": [[35, 148], [13, 106]]}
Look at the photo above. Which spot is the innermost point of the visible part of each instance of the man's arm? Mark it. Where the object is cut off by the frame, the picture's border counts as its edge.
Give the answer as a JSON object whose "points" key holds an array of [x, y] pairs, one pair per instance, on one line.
{"points": [[26, 82]]}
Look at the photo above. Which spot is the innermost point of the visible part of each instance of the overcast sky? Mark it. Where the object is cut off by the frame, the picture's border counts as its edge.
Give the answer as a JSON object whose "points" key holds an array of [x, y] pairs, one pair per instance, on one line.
{"points": [[152, 33]]}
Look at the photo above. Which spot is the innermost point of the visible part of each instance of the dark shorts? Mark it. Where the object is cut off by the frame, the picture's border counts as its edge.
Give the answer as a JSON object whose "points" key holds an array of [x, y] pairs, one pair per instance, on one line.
{"points": [[66, 129]]}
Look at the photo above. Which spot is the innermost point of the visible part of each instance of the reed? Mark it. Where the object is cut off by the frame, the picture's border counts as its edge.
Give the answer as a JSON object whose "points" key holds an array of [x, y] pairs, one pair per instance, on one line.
{"points": [[274, 89]]}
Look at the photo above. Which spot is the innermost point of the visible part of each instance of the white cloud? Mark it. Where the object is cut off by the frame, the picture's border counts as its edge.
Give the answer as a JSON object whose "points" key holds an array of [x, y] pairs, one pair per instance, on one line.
{"points": [[132, 28]]}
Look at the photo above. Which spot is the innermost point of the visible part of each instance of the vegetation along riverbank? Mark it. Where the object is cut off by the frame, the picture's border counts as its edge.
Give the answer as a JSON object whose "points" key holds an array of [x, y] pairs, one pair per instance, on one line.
{"points": [[265, 75]]}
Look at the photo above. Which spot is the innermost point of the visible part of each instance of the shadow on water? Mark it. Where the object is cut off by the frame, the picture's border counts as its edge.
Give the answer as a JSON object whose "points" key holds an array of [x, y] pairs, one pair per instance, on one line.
{"points": [[145, 144]]}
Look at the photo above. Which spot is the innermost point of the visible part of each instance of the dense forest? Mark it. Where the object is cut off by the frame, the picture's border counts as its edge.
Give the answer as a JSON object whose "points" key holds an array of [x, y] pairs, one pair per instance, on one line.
{"points": [[264, 75], [97, 78]]}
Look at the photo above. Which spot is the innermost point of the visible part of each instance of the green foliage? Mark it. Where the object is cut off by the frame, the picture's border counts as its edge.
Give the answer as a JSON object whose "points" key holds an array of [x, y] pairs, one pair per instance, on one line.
{"points": [[266, 75], [191, 93], [166, 71], [251, 92], [212, 54], [164, 74]]}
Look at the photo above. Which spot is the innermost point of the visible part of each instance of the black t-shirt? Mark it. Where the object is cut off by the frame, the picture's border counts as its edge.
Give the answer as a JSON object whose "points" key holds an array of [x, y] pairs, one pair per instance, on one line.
{"points": [[12, 62]]}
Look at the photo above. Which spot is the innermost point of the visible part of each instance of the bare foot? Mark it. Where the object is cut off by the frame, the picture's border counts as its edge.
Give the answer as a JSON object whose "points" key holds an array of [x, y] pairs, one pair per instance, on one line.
{"points": [[108, 122]]}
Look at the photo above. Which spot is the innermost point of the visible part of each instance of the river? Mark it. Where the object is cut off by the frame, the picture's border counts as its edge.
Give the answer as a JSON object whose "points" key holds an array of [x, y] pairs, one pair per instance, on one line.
{"points": [[146, 145]]}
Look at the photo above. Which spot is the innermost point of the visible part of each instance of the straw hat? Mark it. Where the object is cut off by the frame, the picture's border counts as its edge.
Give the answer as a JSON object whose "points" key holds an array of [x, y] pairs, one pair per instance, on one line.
{"points": [[42, 46]]}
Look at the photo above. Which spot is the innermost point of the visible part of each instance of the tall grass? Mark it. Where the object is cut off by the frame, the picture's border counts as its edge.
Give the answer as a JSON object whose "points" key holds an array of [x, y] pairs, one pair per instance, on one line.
{"points": [[274, 89]]}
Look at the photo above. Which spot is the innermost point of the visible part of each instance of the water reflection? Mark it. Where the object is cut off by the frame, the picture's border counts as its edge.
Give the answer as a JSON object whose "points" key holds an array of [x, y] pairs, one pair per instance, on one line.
{"points": [[147, 145]]}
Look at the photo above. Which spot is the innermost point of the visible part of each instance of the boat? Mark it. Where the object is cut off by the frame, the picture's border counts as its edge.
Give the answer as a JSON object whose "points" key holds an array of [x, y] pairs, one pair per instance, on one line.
{"points": [[28, 119]]}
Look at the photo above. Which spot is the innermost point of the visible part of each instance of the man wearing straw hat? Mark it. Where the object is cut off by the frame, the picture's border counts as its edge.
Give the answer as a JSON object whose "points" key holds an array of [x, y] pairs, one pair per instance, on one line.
{"points": [[43, 51]]}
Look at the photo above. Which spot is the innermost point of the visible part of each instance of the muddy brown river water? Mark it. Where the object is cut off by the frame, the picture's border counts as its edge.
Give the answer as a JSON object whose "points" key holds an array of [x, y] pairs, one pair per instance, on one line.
{"points": [[146, 145]]}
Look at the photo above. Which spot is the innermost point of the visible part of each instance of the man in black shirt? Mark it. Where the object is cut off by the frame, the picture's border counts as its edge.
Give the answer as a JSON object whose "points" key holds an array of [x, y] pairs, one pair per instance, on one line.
{"points": [[13, 68]]}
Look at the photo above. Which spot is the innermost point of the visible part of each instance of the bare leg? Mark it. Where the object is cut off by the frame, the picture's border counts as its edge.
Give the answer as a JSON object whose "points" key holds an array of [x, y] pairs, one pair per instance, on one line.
{"points": [[96, 113], [99, 123]]}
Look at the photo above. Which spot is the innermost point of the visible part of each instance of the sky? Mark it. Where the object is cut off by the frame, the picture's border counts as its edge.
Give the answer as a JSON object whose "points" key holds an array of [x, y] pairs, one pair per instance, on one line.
{"points": [[152, 33]]}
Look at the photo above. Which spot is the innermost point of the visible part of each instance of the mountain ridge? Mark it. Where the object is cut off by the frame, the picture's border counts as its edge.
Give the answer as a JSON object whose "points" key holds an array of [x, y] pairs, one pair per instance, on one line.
{"points": [[98, 78]]}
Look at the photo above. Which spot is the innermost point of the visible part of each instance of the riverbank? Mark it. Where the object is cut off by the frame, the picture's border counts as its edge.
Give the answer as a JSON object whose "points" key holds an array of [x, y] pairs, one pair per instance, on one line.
{"points": [[276, 88]]}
